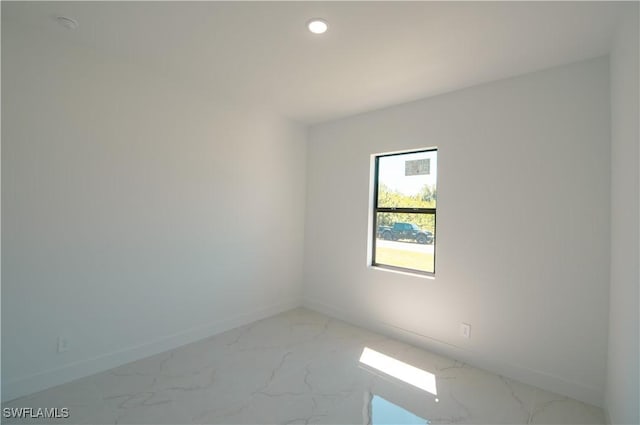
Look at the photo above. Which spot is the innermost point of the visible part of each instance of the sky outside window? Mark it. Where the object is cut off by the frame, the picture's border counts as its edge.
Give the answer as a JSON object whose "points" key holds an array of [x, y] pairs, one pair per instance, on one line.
{"points": [[392, 173]]}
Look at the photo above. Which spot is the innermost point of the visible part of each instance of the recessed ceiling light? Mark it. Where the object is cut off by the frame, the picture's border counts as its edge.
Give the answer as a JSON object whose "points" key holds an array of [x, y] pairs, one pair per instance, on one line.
{"points": [[68, 23], [317, 26]]}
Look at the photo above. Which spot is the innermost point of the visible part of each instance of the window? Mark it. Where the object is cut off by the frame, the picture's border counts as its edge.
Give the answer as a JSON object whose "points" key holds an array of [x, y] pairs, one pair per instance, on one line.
{"points": [[404, 211]]}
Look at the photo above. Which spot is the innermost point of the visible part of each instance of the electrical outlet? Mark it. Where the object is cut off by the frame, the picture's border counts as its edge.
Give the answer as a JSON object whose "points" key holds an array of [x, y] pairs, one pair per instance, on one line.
{"points": [[465, 330], [63, 344]]}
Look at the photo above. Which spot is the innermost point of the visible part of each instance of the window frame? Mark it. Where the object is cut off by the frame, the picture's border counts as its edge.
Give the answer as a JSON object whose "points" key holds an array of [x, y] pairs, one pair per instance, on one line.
{"points": [[376, 209]]}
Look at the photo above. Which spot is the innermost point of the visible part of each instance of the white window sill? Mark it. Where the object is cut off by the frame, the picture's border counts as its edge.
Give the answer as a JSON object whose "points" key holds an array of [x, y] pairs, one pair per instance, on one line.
{"points": [[404, 272]]}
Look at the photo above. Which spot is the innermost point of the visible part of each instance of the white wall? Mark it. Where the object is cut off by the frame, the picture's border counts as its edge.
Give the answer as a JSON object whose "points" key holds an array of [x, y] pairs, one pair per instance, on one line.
{"points": [[136, 215], [522, 227], [623, 373]]}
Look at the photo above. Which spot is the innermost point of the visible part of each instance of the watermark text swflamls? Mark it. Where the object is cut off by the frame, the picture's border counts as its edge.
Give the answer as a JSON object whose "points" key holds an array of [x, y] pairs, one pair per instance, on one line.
{"points": [[35, 412]]}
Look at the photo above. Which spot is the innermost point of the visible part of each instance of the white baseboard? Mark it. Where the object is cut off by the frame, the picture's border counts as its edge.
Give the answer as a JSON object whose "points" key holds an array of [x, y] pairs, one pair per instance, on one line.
{"points": [[80, 369], [40, 381], [502, 367]]}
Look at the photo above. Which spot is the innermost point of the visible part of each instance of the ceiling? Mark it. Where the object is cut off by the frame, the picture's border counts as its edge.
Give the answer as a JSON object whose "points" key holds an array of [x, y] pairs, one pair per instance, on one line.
{"points": [[375, 54]]}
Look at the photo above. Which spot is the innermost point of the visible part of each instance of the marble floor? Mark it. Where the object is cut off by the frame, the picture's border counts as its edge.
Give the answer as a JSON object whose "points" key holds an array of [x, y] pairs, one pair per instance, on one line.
{"points": [[302, 367]]}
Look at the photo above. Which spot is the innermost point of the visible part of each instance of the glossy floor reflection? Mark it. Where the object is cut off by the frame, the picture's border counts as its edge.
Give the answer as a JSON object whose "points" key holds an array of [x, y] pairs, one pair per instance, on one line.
{"points": [[301, 367], [384, 412]]}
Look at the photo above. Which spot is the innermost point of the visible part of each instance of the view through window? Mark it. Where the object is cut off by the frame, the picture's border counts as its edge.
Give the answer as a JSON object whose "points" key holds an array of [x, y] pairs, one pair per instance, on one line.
{"points": [[405, 211]]}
